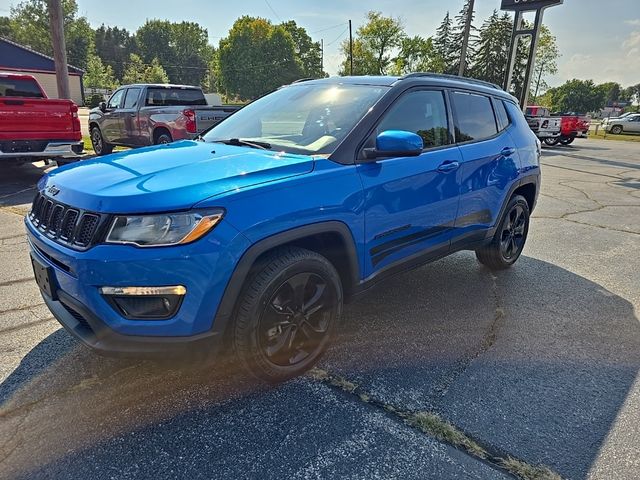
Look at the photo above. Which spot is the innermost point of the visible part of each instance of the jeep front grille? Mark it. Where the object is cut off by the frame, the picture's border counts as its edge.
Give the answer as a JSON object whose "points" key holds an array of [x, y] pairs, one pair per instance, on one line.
{"points": [[66, 225]]}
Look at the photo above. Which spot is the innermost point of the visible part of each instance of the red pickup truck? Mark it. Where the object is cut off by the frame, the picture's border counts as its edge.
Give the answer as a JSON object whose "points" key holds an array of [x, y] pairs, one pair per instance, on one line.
{"points": [[34, 127]]}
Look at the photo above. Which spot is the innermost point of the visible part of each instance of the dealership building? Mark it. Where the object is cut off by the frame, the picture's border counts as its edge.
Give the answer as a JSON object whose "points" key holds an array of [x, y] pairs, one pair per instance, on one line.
{"points": [[18, 58]]}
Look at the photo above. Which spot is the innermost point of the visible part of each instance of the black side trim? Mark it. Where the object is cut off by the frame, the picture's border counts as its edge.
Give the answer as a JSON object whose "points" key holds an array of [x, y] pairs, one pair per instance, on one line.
{"points": [[482, 216], [380, 252], [234, 287]]}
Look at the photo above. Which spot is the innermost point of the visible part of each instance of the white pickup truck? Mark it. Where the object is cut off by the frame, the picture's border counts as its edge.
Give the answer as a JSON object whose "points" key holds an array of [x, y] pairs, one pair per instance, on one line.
{"points": [[542, 123]]}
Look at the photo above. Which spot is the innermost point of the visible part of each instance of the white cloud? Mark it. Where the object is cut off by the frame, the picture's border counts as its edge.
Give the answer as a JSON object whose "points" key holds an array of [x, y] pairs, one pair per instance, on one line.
{"points": [[635, 22]]}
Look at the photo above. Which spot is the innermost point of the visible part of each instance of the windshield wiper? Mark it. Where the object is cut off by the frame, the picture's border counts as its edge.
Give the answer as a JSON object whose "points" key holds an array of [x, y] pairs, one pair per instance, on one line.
{"points": [[245, 143]]}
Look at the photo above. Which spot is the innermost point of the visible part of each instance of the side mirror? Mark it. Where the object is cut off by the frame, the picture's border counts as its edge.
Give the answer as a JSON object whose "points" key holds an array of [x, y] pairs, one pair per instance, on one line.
{"points": [[395, 143], [102, 106]]}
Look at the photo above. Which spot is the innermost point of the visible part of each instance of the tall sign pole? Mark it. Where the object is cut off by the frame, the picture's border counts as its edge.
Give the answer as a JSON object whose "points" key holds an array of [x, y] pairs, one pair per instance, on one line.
{"points": [[521, 6], [350, 49], [59, 49], [465, 40]]}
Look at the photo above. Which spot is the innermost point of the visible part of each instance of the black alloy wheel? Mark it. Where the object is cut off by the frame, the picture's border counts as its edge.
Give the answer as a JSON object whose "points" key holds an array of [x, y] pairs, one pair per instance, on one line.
{"points": [[99, 145], [512, 237]]}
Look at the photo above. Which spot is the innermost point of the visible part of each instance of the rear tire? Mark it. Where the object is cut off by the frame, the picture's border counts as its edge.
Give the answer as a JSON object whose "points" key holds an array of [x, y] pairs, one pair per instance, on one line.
{"points": [[99, 145], [567, 140], [510, 237], [616, 129], [287, 314], [161, 137]]}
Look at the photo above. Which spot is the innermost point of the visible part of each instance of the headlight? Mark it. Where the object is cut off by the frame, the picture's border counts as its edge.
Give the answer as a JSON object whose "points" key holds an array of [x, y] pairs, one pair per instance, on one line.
{"points": [[163, 229]]}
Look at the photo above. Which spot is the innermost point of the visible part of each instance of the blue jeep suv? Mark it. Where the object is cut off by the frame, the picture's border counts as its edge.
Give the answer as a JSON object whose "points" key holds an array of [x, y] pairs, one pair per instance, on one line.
{"points": [[253, 235]]}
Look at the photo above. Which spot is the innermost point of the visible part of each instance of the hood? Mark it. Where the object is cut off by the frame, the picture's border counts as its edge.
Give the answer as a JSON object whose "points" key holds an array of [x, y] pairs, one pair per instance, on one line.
{"points": [[168, 177]]}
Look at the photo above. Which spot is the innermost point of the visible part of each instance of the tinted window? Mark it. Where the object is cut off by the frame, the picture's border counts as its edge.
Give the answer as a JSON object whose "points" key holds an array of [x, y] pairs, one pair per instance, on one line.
{"points": [[160, 96], [19, 87], [514, 112], [422, 112], [474, 117], [116, 99], [501, 114], [131, 100]]}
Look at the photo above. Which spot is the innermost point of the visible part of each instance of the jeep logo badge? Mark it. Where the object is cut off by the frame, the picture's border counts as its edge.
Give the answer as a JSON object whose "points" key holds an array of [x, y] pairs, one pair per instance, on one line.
{"points": [[53, 190]]}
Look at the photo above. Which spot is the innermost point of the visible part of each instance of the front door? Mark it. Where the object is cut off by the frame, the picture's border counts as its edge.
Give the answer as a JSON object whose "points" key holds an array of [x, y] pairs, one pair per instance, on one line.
{"points": [[411, 202], [110, 124]]}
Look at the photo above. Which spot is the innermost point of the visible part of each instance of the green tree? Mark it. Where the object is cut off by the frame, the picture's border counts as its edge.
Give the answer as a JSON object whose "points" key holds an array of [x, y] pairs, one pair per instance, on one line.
{"points": [[377, 40], [154, 40], [29, 26], [137, 71], [308, 52], [114, 45], [97, 74], [546, 56], [5, 27], [611, 92], [575, 96], [490, 62], [255, 58], [191, 52], [417, 54], [443, 44]]}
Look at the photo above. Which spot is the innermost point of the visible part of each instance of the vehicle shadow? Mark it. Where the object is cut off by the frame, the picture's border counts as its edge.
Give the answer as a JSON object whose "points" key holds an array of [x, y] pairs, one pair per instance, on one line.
{"points": [[18, 182], [535, 362]]}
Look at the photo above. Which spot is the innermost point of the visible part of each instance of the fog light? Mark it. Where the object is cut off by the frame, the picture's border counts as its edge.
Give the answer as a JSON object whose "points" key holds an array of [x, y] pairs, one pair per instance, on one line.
{"points": [[145, 303]]}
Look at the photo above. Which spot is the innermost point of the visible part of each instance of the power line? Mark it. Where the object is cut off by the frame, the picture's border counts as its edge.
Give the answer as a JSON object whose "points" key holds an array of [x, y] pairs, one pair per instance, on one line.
{"points": [[328, 28], [274, 12], [338, 37]]}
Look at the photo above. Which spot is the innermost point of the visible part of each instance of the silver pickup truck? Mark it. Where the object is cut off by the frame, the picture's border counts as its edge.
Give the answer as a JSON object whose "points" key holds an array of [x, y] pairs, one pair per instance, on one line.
{"points": [[144, 114]]}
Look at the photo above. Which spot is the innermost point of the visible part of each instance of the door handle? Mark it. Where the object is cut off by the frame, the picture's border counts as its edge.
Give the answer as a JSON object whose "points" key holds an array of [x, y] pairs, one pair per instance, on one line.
{"points": [[448, 166], [507, 151]]}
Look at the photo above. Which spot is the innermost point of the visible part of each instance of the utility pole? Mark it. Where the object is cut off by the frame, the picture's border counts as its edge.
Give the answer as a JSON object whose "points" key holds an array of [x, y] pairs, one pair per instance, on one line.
{"points": [[350, 49], [59, 49], [322, 55], [535, 96], [465, 39]]}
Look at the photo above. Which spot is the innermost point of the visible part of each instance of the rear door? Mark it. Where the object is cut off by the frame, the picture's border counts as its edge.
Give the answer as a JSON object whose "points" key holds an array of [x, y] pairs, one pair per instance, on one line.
{"points": [[489, 161], [110, 124], [411, 202], [130, 127]]}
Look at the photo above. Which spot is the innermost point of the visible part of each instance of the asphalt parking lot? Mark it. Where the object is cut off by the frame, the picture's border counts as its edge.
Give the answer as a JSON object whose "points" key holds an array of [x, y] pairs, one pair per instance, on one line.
{"points": [[533, 367]]}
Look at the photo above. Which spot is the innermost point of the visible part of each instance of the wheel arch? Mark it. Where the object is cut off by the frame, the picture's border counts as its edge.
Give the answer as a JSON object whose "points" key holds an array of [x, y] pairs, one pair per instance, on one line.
{"points": [[331, 239], [159, 129]]}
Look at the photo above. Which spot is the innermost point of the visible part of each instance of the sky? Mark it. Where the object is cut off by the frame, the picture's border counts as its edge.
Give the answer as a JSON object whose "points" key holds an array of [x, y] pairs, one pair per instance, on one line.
{"points": [[598, 40]]}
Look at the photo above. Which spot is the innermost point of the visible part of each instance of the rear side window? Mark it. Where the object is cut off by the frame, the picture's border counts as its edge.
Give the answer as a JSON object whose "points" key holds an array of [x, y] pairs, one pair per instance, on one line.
{"points": [[19, 87], [473, 116], [422, 112], [131, 100], [501, 114], [165, 97], [514, 112]]}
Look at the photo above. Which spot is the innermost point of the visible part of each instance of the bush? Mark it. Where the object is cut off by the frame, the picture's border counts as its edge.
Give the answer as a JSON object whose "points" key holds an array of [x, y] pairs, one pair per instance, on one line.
{"points": [[94, 100]]}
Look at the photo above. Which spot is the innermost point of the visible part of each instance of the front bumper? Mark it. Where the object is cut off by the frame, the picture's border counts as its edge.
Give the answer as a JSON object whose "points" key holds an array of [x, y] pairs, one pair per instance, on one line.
{"points": [[52, 150], [203, 267]]}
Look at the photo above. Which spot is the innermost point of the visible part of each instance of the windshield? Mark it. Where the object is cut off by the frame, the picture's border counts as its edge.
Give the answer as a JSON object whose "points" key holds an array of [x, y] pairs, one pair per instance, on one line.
{"points": [[308, 119]]}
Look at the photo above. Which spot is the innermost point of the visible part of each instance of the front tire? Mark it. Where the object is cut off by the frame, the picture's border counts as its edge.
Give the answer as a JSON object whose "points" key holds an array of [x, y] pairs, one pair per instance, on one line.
{"points": [[99, 145], [287, 314], [616, 129], [510, 237], [551, 141]]}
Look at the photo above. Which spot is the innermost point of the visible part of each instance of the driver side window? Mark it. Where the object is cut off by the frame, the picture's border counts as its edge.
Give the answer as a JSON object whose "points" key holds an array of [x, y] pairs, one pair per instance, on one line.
{"points": [[422, 112], [116, 99]]}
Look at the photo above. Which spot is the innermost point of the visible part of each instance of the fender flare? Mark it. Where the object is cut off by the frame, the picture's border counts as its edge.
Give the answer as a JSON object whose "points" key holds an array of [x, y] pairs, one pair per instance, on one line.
{"points": [[236, 282]]}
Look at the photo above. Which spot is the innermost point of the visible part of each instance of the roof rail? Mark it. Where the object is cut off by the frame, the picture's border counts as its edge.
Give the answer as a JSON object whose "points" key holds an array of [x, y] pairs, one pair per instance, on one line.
{"points": [[303, 80], [451, 77]]}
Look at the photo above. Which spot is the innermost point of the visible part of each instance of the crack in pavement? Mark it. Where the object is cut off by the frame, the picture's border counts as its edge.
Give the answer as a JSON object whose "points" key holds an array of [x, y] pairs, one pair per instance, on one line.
{"points": [[15, 282], [20, 309], [430, 424], [22, 326], [583, 171]]}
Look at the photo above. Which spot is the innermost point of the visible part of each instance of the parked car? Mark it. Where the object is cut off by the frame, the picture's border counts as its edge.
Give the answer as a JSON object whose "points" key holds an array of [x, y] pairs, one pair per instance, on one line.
{"points": [[34, 127], [542, 124], [626, 124], [144, 114], [255, 235]]}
